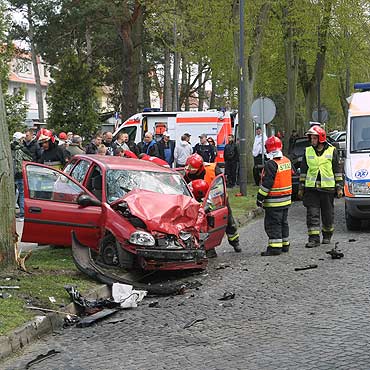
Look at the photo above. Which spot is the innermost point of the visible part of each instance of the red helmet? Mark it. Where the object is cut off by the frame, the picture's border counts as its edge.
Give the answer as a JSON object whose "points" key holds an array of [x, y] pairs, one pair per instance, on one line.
{"points": [[194, 164], [63, 136], [199, 188], [317, 130], [45, 135], [273, 144]]}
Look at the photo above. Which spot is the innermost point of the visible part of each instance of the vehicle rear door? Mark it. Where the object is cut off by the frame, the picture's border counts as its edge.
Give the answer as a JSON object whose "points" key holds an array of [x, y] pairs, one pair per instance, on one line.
{"points": [[215, 206], [52, 211]]}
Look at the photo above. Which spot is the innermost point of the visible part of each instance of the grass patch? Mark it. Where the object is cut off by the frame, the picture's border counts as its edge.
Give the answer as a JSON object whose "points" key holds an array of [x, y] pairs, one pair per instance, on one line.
{"points": [[50, 270], [242, 205]]}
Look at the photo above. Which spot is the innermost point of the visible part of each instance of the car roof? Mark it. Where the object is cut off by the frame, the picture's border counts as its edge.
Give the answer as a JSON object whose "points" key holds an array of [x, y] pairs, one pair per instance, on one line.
{"points": [[120, 163]]}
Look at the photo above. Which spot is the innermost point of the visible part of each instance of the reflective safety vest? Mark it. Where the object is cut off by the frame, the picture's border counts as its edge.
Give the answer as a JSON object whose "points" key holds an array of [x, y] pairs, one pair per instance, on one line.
{"points": [[281, 191], [210, 172], [322, 163]]}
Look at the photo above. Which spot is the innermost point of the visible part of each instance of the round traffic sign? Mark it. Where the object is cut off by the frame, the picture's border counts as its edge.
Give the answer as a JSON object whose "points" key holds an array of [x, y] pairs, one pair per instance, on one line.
{"points": [[263, 110]]}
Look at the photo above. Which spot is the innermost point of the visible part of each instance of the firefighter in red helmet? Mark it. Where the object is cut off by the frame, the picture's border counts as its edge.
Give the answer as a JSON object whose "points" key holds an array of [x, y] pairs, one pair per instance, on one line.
{"points": [[274, 195], [321, 178], [52, 154], [199, 188], [195, 169]]}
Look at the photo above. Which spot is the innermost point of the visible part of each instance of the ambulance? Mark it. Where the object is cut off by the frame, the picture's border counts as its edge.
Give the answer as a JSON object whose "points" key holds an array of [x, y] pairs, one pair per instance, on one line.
{"points": [[357, 158], [215, 124]]}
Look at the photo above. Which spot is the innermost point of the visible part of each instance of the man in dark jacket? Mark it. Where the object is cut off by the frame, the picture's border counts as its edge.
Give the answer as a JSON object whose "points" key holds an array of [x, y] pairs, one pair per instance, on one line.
{"points": [[166, 148], [204, 149], [231, 157], [32, 146], [92, 147], [149, 145], [111, 146]]}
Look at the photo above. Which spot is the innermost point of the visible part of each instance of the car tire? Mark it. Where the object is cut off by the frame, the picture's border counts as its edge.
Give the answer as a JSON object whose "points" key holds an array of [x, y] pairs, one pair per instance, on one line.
{"points": [[352, 223], [108, 251]]}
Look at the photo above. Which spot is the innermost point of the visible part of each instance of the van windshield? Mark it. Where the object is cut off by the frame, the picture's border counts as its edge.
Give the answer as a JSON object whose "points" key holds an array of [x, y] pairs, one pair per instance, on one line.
{"points": [[360, 134]]}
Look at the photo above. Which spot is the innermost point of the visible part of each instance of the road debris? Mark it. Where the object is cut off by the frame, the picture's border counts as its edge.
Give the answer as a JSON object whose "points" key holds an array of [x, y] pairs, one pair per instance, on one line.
{"points": [[335, 253], [227, 296], [126, 296], [191, 323], [308, 267], [92, 319], [5, 295], [9, 287], [352, 240], [154, 304], [222, 266], [41, 358], [50, 310], [226, 304], [52, 299]]}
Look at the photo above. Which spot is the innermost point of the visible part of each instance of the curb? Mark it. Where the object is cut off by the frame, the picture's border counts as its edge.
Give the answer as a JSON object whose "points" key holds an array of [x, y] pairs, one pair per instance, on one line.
{"points": [[46, 324], [42, 325]]}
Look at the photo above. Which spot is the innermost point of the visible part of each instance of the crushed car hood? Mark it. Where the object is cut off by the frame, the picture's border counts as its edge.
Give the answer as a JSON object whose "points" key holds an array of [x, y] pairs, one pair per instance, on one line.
{"points": [[166, 213]]}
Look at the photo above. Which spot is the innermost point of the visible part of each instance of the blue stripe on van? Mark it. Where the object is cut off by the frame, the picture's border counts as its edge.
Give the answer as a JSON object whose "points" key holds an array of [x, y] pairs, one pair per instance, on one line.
{"points": [[359, 181]]}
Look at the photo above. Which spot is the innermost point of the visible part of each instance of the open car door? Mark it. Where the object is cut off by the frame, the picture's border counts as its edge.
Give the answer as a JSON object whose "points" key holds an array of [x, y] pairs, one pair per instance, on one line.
{"points": [[51, 209], [215, 206]]}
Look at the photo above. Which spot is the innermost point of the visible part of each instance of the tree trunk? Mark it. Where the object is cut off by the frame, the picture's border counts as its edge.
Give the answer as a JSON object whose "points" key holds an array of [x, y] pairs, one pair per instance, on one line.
{"points": [[176, 72], [291, 68], [39, 98], [311, 83], [212, 99], [7, 198], [167, 88], [253, 60], [202, 89], [88, 45], [130, 28]]}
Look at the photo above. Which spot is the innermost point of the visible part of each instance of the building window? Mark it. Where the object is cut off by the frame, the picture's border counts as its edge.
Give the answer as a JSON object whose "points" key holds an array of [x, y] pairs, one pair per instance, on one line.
{"points": [[26, 95], [45, 71]]}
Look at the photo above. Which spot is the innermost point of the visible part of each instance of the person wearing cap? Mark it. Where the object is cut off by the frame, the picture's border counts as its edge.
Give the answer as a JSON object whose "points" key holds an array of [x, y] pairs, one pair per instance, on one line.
{"points": [[205, 149], [75, 147], [166, 148], [182, 152], [19, 154]]}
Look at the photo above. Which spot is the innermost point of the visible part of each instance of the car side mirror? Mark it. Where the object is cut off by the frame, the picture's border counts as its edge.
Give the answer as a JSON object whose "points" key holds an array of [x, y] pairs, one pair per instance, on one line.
{"points": [[86, 200]]}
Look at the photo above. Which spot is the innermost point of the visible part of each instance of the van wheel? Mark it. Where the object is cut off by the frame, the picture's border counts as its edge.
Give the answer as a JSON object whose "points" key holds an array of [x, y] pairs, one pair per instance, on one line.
{"points": [[352, 223]]}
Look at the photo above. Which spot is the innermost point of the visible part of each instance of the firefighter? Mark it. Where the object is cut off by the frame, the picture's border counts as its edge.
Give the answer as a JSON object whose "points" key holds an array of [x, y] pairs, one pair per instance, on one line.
{"points": [[52, 154], [274, 195], [320, 180], [195, 169]]}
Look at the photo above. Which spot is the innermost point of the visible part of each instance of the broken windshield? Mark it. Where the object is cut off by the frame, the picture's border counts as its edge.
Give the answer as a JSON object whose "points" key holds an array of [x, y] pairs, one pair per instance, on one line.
{"points": [[120, 182], [360, 134]]}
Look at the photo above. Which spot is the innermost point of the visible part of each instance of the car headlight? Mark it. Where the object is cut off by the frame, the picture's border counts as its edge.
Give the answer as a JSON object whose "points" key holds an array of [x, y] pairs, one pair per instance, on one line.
{"points": [[359, 188], [184, 235], [142, 238]]}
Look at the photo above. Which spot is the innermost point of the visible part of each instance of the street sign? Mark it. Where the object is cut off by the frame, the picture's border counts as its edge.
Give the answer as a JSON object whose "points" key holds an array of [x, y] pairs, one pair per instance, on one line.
{"points": [[324, 115], [263, 110]]}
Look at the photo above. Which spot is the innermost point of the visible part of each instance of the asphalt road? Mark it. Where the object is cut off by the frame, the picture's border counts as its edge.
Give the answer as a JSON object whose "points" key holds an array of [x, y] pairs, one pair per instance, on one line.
{"points": [[279, 318]]}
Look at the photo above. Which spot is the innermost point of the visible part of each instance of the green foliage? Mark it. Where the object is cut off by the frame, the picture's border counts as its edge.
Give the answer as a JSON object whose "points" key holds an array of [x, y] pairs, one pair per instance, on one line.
{"points": [[16, 111], [72, 98]]}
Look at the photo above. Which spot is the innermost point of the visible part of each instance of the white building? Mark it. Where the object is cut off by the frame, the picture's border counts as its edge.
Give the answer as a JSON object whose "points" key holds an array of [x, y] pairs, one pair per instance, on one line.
{"points": [[22, 75]]}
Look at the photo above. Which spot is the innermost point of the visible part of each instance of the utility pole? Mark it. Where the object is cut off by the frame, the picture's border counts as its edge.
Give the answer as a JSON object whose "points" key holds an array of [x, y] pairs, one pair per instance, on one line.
{"points": [[241, 113]]}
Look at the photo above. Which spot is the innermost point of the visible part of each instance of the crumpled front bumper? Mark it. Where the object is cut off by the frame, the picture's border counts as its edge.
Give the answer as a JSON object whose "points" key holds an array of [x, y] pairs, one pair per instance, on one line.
{"points": [[162, 259]]}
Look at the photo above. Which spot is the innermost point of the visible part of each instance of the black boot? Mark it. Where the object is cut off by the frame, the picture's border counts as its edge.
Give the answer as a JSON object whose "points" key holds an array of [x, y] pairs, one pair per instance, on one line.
{"points": [[313, 243], [326, 238], [285, 248], [271, 251], [234, 242]]}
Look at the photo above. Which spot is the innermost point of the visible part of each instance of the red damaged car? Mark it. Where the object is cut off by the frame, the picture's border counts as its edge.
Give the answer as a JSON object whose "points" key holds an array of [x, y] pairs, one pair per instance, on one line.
{"points": [[132, 213]]}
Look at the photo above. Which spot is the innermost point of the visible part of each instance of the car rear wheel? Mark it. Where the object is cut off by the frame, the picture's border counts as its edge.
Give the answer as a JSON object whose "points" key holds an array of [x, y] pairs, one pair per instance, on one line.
{"points": [[352, 223]]}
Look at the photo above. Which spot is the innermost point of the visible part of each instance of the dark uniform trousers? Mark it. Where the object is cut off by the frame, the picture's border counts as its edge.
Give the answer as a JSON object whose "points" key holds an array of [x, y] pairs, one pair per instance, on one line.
{"points": [[317, 202], [276, 226]]}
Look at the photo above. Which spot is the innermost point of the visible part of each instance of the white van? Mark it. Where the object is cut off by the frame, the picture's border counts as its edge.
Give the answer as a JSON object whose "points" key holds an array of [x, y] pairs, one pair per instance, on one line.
{"points": [[357, 158], [215, 124]]}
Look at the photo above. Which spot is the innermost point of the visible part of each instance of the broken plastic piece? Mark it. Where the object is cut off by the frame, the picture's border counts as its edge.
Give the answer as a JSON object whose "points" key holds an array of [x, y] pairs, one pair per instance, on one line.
{"points": [[89, 320], [41, 358], [305, 268], [227, 296], [191, 323], [126, 296]]}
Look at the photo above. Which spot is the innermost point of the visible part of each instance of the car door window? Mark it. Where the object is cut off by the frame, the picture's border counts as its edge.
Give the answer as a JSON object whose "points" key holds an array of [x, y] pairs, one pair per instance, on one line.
{"points": [[47, 184], [69, 166], [216, 196], [80, 170]]}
